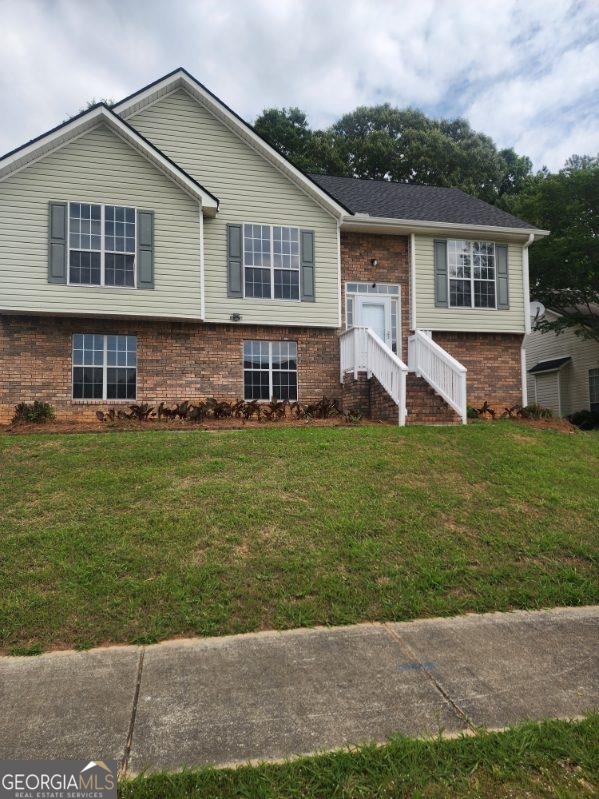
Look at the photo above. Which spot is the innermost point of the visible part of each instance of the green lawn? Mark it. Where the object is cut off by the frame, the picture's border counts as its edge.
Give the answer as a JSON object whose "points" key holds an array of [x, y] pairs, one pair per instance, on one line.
{"points": [[552, 759], [129, 537]]}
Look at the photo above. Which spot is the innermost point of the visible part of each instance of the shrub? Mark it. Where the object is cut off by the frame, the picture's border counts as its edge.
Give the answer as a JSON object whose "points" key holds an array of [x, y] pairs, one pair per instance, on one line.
{"points": [[585, 420], [33, 412], [535, 411]]}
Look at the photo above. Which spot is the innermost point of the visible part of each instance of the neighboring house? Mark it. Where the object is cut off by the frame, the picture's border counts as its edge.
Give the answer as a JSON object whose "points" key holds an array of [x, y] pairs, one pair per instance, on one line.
{"points": [[161, 250], [563, 369]]}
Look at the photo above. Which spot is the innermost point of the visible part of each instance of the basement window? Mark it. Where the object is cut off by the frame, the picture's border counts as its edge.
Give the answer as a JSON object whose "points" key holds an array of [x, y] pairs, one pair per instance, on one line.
{"points": [[104, 367], [270, 370]]}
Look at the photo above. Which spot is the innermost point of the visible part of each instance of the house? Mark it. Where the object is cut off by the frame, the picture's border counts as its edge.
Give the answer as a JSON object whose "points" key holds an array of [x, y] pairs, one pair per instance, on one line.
{"points": [[562, 369], [160, 249]]}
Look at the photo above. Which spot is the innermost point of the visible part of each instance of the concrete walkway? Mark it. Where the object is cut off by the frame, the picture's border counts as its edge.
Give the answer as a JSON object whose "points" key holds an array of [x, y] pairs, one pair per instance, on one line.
{"points": [[278, 694]]}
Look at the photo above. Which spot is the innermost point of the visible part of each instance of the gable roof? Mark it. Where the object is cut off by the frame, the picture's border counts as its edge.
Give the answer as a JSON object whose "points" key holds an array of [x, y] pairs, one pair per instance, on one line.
{"points": [[181, 78], [408, 201], [87, 120]]}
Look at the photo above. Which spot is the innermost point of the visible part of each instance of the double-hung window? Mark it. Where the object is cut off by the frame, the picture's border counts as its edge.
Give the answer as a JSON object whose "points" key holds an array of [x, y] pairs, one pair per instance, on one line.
{"points": [[471, 274], [104, 367], [271, 261], [270, 370], [102, 240]]}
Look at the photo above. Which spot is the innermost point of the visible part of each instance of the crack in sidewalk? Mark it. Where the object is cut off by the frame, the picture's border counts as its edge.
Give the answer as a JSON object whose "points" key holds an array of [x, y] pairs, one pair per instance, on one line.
{"points": [[129, 742], [425, 668]]}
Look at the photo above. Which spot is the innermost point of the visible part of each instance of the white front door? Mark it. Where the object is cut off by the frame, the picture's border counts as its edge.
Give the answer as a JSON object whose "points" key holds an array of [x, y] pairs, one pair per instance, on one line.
{"points": [[375, 312]]}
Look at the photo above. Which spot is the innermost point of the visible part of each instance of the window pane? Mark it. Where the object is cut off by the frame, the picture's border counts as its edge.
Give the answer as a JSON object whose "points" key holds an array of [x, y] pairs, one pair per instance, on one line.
{"points": [[255, 385], [87, 382], [460, 293], [84, 267], [257, 282], [255, 354], [286, 247], [121, 383], [286, 284], [256, 246], [119, 270], [484, 294], [284, 355], [284, 385]]}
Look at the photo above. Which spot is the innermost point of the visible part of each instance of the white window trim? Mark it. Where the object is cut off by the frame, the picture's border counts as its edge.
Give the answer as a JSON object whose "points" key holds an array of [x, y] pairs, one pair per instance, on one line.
{"points": [[472, 279], [270, 369], [272, 264], [103, 251], [105, 367]]}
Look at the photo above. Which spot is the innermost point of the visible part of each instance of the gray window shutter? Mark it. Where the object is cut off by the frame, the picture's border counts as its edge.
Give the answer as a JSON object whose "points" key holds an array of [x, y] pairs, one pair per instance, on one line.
{"points": [[307, 265], [57, 243], [501, 277], [234, 261], [441, 298], [145, 249]]}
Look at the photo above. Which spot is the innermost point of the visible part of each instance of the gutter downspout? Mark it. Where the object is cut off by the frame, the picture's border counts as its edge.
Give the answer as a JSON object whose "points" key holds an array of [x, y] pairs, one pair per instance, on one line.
{"points": [[202, 269], [527, 327]]}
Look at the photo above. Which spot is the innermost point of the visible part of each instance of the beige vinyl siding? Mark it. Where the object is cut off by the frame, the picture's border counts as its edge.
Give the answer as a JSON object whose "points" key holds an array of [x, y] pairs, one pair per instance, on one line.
{"points": [[574, 377], [483, 320], [547, 392], [250, 189], [97, 167]]}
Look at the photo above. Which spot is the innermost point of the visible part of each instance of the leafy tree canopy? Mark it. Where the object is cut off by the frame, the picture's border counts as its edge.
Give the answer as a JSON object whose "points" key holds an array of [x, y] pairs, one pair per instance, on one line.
{"points": [[404, 145], [564, 267]]}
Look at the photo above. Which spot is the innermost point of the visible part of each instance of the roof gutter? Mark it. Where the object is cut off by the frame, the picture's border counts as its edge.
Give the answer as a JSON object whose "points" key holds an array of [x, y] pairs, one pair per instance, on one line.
{"points": [[389, 224]]}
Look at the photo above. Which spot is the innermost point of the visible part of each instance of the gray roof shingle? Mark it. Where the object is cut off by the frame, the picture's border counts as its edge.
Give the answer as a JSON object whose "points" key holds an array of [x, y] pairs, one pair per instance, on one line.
{"points": [[549, 366], [384, 198]]}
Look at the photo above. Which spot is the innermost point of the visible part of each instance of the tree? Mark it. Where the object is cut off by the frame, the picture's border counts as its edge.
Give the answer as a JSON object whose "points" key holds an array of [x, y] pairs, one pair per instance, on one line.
{"points": [[405, 145], [564, 267], [287, 131]]}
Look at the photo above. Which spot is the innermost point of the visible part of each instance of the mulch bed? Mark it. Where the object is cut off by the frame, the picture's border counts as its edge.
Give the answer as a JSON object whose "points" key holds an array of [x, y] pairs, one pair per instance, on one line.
{"points": [[131, 425]]}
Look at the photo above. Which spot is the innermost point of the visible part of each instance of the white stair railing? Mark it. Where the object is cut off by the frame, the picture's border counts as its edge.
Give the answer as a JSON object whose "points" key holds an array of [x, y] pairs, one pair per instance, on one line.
{"points": [[363, 351], [440, 370]]}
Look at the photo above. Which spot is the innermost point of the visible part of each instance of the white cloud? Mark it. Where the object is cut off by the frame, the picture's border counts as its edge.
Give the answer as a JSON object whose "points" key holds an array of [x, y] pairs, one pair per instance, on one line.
{"points": [[524, 73]]}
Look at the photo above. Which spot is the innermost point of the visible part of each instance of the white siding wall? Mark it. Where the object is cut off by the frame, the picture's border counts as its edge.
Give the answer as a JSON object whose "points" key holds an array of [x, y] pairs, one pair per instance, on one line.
{"points": [[98, 167], [466, 319], [250, 190], [574, 377]]}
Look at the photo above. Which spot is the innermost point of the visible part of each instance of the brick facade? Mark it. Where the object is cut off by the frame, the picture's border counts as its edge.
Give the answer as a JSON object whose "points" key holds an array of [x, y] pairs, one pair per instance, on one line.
{"points": [[185, 360], [357, 252], [368, 398], [175, 360], [493, 364]]}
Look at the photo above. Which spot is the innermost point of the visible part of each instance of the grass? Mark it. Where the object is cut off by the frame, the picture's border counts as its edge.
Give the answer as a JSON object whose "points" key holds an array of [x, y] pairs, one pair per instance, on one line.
{"points": [[551, 759], [137, 537]]}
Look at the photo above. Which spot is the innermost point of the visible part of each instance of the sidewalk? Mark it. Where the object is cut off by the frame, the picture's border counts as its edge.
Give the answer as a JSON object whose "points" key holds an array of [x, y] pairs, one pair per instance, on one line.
{"points": [[277, 694]]}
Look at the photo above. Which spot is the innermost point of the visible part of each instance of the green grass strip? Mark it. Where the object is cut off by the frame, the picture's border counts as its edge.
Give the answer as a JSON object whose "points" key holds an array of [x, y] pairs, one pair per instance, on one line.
{"points": [[550, 759]]}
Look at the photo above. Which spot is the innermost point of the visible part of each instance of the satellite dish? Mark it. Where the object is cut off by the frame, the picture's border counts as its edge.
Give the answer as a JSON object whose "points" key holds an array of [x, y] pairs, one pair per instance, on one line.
{"points": [[537, 311]]}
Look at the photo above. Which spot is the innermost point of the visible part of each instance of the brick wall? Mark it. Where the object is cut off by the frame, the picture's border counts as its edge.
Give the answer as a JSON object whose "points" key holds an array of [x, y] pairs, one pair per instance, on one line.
{"points": [[368, 398], [493, 364], [391, 252], [176, 360]]}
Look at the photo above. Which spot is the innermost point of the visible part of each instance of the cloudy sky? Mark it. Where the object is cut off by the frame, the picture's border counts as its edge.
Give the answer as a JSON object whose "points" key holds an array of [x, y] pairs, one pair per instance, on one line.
{"points": [[525, 72]]}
